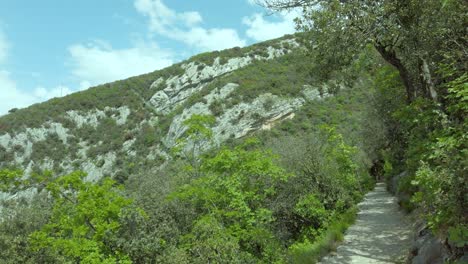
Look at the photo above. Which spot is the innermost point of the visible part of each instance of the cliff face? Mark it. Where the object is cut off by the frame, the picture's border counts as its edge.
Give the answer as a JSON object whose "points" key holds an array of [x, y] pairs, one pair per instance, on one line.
{"points": [[118, 128]]}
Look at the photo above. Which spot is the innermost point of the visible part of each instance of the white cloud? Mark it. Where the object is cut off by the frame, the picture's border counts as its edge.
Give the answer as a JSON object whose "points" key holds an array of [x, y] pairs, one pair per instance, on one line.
{"points": [[97, 62], [10, 95], [261, 29], [211, 39], [160, 15], [13, 97], [163, 19], [42, 93], [92, 64], [185, 27]]}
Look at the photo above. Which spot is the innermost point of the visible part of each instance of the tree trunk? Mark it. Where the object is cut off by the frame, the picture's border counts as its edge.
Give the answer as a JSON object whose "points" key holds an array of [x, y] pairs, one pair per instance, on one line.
{"points": [[391, 57], [426, 80]]}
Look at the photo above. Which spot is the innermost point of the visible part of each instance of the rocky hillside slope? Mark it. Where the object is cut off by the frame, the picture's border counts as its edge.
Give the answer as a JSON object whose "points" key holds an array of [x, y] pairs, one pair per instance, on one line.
{"points": [[117, 128]]}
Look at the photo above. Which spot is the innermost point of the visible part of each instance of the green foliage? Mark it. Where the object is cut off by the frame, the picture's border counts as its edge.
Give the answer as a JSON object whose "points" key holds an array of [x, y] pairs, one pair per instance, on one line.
{"points": [[216, 108], [199, 127], [247, 205], [342, 154], [284, 76], [19, 219], [308, 251], [210, 242], [436, 155], [235, 190], [458, 235], [50, 148], [429, 142], [10, 180], [196, 139], [83, 217], [208, 58], [407, 34], [457, 88], [242, 206], [311, 208]]}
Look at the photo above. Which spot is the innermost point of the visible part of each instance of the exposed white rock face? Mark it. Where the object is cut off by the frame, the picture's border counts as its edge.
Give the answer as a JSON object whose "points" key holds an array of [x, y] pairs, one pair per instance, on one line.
{"points": [[127, 147], [27, 138], [234, 121], [92, 117], [311, 93], [197, 75], [121, 118], [83, 149], [32, 135], [291, 41], [155, 153], [243, 118], [28, 169], [272, 122], [47, 165], [21, 157], [220, 93], [128, 144], [27, 194], [239, 120], [177, 128], [5, 140], [94, 172], [156, 83], [60, 131], [160, 101]]}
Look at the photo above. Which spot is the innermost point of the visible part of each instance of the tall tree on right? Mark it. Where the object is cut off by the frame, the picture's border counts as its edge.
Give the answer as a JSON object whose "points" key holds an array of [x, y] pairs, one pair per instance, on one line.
{"points": [[412, 35]]}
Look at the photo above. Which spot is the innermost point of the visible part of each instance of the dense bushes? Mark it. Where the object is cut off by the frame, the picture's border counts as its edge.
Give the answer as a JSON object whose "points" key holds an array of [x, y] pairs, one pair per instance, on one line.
{"points": [[428, 143], [77, 221], [244, 205], [308, 251]]}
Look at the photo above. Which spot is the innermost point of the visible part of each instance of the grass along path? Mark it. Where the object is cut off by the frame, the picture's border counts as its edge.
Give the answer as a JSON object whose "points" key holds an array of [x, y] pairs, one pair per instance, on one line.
{"points": [[381, 233]]}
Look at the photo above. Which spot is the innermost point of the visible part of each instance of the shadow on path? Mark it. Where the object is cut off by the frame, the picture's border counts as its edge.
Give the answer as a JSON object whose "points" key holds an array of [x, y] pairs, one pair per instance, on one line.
{"points": [[381, 233]]}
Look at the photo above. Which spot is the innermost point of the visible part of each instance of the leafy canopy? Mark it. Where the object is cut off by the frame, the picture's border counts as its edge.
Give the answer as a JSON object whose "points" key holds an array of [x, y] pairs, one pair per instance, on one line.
{"points": [[84, 217]]}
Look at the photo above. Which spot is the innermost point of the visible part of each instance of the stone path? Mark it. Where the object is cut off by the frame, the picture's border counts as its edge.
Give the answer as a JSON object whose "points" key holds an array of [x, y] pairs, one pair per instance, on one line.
{"points": [[381, 233]]}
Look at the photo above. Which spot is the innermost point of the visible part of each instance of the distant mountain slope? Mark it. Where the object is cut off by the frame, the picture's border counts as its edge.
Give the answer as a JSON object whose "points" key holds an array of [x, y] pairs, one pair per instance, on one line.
{"points": [[111, 128]]}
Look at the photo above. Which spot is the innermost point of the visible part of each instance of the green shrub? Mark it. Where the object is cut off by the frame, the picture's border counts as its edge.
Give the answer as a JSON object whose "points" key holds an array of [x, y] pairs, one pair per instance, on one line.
{"points": [[216, 108], [312, 251]]}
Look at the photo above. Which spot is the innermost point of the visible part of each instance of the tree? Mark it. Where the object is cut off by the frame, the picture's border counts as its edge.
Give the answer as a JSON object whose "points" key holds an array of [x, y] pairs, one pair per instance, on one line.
{"points": [[84, 217], [19, 218], [195, 140], [10, 180], [411, 35], [12, 110], [233, 197]]}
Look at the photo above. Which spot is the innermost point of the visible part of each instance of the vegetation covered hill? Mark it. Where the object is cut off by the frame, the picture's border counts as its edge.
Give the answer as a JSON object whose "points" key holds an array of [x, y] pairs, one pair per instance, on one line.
{"points": [[104, 129], [252, 155], [124, 132]]}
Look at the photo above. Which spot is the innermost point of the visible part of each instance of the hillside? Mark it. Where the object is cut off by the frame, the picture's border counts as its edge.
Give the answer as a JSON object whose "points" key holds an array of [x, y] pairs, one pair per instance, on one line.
{"points": [[262, 154], [128, 130], [137, 121]]}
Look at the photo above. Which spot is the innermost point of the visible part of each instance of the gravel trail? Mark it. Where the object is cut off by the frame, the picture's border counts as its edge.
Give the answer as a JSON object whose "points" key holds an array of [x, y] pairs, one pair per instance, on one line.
{"points": [[381, 233]]}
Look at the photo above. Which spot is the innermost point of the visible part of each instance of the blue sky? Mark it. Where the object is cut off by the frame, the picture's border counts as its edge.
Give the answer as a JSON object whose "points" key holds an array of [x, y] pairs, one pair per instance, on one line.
{"points": [[50, 48]]}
